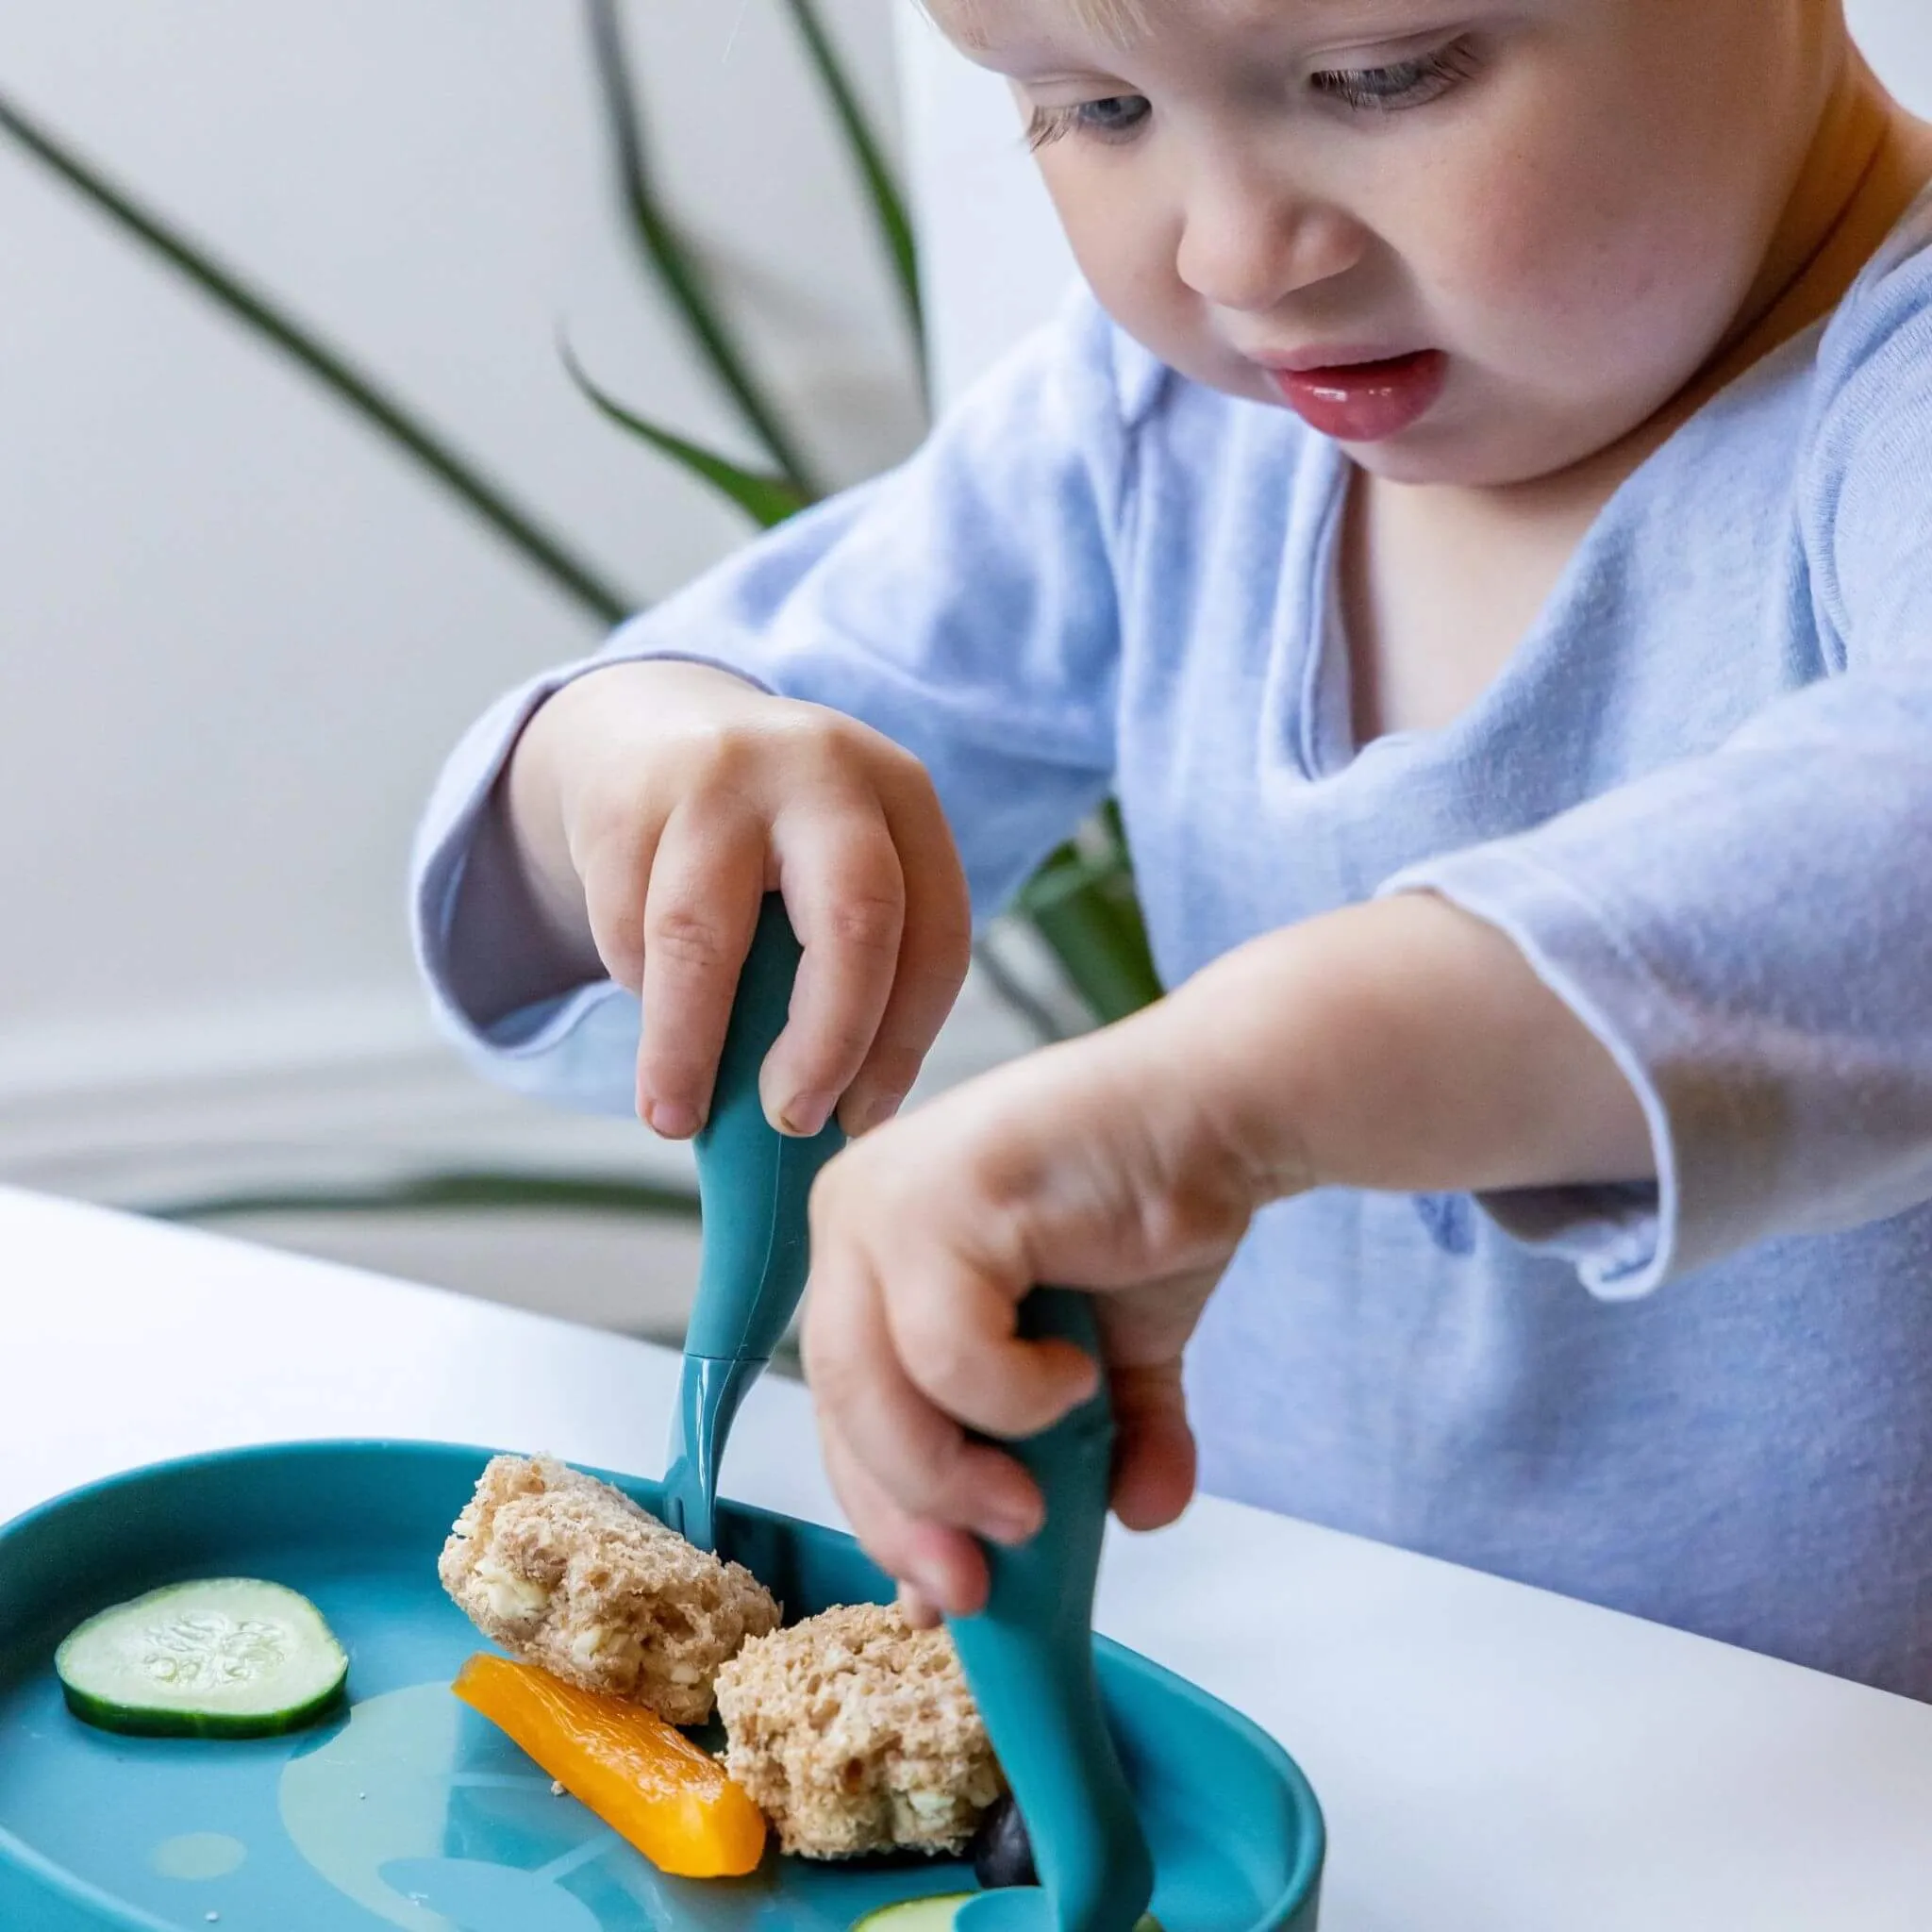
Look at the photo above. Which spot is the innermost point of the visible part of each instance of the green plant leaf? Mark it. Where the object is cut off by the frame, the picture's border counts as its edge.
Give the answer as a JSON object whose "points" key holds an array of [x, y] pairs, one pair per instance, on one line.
{"points": [[1096, 932], [670, 260], [455, 1189], [399, 424], [888, 201], [767, 500], [1082, 903]]}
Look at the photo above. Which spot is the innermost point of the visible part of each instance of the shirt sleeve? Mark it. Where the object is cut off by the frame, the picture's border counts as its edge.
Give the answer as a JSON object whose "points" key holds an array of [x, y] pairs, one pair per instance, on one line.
{"points": [[1747, 932], [963, 604]]}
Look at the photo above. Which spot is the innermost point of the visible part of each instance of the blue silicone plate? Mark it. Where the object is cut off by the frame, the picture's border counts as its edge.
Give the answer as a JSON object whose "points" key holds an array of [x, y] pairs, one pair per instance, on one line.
{"points": [[412, 1812]]}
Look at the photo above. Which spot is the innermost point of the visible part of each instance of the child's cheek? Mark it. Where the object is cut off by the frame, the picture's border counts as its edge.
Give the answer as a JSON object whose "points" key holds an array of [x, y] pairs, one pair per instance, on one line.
{"points": [[1573, 281], [1129, 261]]}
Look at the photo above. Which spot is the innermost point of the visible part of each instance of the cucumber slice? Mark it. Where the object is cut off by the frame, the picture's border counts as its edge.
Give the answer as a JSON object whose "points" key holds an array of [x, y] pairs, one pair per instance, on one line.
{"points": [[231, 1657], [937, 1913], [933, 1914]]}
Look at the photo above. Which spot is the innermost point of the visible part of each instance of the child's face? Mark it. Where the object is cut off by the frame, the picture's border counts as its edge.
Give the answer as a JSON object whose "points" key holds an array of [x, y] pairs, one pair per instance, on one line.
{"points": [[1554, 210]]}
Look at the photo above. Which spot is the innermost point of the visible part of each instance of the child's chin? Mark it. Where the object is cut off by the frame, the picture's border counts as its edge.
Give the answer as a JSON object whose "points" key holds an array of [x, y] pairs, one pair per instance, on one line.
{"points": [[1447, 456], [1416, 458]]}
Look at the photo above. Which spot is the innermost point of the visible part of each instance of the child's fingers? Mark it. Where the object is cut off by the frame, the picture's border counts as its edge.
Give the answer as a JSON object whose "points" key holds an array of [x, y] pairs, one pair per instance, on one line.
{"points": [[616, 882], [707, 882], [917, 1608], [923, 1461], [846, 898], [1153, 1453], [935, 950], [941, 1569], [952, 1328]]}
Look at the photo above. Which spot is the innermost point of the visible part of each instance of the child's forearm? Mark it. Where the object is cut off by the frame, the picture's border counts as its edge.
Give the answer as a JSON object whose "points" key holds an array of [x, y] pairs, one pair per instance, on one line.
{"points": [[1403, 1044]]}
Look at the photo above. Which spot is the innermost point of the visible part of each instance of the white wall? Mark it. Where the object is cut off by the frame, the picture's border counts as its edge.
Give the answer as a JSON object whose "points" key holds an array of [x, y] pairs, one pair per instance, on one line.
{"points": [[1896, 36], [993, 253], [236, 636]]}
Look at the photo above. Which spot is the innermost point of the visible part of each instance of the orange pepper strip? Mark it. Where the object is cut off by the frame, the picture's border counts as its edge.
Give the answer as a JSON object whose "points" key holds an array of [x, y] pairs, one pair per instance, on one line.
{"points": [[643, 1777]]}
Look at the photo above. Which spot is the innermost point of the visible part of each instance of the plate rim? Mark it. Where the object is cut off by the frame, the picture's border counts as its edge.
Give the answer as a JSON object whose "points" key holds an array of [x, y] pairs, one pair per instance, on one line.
{"points": [[1298, 1892]]}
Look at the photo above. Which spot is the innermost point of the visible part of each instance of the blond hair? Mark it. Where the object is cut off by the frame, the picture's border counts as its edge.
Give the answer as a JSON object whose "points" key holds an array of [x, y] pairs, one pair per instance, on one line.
{"points": [[1119, 19]]}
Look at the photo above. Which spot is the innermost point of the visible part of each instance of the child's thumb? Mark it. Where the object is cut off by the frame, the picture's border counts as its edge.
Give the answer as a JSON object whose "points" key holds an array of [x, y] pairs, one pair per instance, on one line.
{"points": [[1154, 1445]]}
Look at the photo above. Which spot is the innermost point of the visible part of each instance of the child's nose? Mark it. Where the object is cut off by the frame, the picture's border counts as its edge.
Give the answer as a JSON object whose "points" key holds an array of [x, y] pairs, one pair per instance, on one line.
{"points": [[1247, 245]]}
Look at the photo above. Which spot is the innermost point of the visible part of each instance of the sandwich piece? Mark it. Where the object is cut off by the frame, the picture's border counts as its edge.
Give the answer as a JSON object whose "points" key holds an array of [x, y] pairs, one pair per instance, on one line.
{"points": [[855, 1733], [567, 1572]]}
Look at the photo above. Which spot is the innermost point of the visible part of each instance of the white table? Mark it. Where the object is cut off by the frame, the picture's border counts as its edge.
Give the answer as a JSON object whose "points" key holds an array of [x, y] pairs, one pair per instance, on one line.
{"points": [[1490, 1758]]}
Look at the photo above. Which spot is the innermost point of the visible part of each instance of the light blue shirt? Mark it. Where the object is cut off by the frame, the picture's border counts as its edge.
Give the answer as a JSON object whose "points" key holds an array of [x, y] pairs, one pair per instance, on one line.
{"points": [[1699, 797]]}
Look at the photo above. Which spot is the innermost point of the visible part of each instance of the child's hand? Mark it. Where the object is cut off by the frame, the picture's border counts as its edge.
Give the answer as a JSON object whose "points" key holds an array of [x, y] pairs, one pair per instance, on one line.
{"points": [[1090, 1165], [653, 804], [1402, 1045]]}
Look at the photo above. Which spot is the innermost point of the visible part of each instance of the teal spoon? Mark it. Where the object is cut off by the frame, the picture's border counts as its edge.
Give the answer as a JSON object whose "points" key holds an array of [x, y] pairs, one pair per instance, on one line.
{"points": [[753, 1185], [1028, 1657]]}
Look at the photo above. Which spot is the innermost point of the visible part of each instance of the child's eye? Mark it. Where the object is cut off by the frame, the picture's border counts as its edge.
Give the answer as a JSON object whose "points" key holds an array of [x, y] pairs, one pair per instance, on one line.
{"points": [[1113, 119], [1401, 84]]}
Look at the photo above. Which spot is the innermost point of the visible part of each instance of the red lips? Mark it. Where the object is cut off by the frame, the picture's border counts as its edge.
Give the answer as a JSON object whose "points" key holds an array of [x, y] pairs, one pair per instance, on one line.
{"points": [[1365, 402]]}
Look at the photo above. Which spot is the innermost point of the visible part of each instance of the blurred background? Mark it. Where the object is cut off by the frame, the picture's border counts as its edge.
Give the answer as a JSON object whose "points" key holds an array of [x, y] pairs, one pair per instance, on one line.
{"points": [[239, 628]]}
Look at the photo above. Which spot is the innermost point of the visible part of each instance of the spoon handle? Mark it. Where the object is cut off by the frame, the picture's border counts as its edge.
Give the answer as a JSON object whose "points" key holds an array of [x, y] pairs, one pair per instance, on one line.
{"points": [[1028, 1657], [753, 1185], [754, 1181]]}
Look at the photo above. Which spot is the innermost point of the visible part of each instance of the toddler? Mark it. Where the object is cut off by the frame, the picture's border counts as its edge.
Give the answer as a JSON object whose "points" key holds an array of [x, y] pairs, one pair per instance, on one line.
{"points": [[1479, 524]]}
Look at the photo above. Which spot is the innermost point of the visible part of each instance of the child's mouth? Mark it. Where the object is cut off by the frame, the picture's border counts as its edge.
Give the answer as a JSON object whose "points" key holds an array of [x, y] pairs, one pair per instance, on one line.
{"points": [[1365, 402]]}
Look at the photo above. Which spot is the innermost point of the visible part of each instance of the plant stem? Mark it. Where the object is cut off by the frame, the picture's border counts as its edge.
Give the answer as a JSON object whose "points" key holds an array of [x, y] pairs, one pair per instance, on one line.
{"points": [[361, 391], [670, 260], [889, 202]]}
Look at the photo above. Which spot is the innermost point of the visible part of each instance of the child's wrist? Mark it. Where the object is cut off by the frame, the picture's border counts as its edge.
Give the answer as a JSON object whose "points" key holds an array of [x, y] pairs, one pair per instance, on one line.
{"points": [[1403, 1044]]}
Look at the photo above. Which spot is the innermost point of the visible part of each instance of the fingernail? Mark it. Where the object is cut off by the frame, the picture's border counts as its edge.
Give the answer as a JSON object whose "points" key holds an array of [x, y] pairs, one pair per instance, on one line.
{"points": [[804, 1113], [1014, 1526], [929, 1581], [876, 1112], [672, 1120]]}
